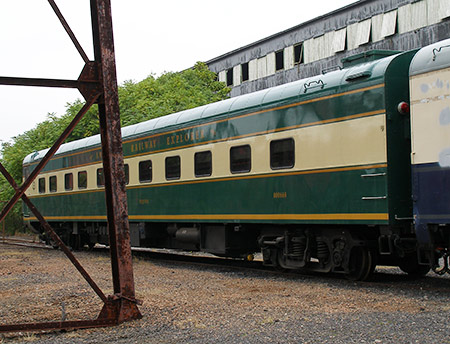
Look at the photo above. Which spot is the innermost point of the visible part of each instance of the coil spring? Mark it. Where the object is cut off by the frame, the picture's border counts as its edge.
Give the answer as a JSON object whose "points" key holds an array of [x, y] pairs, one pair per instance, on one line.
{"points": [[297, 247], [323, 253]]}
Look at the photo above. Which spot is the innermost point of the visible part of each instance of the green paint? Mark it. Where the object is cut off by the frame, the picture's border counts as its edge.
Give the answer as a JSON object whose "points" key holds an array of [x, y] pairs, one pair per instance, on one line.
{"points": [[313, 193]]}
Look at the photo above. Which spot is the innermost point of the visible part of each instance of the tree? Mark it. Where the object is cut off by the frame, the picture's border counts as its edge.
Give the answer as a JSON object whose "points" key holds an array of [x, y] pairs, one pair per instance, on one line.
{"points": [[150, 98]]}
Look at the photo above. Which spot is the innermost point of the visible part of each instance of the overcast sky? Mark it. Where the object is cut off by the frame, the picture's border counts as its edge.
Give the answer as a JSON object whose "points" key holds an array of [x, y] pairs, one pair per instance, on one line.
{"points": [[150, 37]]}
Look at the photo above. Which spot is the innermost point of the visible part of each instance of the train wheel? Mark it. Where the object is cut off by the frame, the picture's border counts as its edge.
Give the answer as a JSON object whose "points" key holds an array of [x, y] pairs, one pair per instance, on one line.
{"points": [[411, 266], [361, 264]]}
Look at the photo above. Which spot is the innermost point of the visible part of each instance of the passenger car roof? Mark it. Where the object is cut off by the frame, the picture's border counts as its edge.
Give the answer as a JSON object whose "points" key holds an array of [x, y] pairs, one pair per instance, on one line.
{"points": [[432, 57]]}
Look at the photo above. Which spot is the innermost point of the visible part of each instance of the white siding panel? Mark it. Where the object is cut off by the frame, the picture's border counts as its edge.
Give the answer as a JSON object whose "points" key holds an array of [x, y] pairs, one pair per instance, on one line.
{"points": [[237, 77], [223, 76], [253, 69], [328, 44], [419, 14], [389, 24], [358, 34], [383, 25], [377, 27], [352, 36], [412, 17], [313, 49], [289, 57], [433, 11], [270, 63], [437, 10], [404, 19], [319, 47], [364, 31], [444, 9], [338, 41], [308, 51], [262, 67]]}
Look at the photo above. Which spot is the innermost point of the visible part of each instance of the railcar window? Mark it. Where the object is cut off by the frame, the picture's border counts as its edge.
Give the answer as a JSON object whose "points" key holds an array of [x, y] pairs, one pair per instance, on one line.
{"points": [[173, 167], [41, 185], [52, 184], [100, 177], [240, 159], [203, 164], [82, 180], [279, 60], [68, 181], [282, 154], [127, 174], [145, 171]]}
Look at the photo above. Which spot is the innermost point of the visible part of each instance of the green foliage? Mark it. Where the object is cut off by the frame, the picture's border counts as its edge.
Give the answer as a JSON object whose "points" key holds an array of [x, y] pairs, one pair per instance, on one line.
{"points": [[141, 101], [171, 92]]}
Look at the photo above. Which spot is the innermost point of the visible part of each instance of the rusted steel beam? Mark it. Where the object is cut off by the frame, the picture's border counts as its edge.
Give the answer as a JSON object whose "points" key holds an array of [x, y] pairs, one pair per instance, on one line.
{"points": [[4, 80], [113, 165], [59, 325], [46, 158], [97, 83], [69, 31], [55, 236]]}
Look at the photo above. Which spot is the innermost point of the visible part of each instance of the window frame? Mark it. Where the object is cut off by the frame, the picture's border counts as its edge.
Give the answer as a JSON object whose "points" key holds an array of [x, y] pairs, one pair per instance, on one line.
{"points": [[229, 77], [140, 169], [80, 173], [235, 171], [245, 72], [52, 184], [175, 176], [126, 168], [100, 177], [298, 60], [279, 165], [279, 60], [68, 185], [41, 182], [197, 164]]}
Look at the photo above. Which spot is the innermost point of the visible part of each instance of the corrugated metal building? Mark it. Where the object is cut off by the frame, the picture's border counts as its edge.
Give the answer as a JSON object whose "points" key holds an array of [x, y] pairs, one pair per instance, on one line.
{"points": [[319, 45]]}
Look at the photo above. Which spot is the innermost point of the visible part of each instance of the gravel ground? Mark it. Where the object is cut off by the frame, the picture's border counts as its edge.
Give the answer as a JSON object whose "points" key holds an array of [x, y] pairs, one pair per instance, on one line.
{"points": [[187, 303]]}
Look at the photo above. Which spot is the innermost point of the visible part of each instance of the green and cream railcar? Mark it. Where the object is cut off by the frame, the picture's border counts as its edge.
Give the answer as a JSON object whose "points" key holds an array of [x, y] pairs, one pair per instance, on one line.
{"points": [[314, 173]]}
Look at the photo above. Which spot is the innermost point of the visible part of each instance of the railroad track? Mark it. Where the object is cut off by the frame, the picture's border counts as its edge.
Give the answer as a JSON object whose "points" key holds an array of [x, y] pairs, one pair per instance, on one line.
{"points": [[385, 277], [34, 243]]}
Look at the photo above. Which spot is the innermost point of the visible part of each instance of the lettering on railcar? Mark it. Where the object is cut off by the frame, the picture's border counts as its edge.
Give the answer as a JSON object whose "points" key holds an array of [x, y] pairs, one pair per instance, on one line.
{"points": [[98, 155], [186, 137], [176, 139], [280, 194], [145, 145]]}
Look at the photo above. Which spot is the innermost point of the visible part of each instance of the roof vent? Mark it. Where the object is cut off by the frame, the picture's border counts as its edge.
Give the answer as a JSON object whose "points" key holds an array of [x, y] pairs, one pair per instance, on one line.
{"points": [[367, 56]]}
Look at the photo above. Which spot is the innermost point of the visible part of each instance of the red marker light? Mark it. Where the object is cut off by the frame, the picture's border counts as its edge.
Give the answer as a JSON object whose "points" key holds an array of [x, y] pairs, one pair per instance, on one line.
{"points": [[403, 108]]}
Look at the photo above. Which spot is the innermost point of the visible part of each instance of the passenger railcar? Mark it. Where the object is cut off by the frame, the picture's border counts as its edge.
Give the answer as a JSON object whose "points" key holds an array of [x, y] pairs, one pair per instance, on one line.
{"points": [[315, 174], [430, 155]]}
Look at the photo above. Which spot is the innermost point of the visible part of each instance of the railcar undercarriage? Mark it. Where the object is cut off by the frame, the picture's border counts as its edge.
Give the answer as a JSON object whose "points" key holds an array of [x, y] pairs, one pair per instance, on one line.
{"points": [[353, 252], [320, 250]]}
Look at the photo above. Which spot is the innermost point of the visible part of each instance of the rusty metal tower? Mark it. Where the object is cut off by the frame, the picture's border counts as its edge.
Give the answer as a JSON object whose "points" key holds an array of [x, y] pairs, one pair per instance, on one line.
{"points": [[98, 85]]}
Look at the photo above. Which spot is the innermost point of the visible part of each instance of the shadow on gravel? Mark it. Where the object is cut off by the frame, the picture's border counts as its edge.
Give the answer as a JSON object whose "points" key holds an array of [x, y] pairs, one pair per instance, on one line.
{"points": [[384, 277]]}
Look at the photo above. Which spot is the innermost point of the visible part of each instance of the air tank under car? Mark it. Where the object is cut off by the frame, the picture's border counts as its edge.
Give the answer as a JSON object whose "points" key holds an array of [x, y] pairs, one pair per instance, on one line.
{"points": [[430, 156]]}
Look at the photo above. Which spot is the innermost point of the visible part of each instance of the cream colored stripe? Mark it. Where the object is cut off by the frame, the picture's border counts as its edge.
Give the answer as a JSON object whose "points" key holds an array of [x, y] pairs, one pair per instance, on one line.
{"points": [[340, 145]]}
